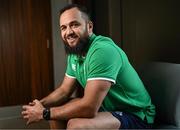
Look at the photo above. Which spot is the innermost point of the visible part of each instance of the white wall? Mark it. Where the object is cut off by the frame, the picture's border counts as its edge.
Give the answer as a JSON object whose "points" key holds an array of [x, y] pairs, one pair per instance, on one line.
{"points": [[59, 57]]}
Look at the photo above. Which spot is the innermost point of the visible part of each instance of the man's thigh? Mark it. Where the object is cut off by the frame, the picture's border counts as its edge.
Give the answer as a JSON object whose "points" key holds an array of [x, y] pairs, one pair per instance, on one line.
{"points": [[103, 120]]}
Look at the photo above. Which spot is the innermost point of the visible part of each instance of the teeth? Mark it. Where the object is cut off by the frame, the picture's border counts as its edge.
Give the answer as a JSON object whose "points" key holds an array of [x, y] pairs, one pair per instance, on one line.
{"points": [[70, 39]]}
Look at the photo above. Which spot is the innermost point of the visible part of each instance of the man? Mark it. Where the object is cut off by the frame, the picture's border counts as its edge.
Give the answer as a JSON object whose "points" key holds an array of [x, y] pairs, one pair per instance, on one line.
{"points": [[114, 96]]}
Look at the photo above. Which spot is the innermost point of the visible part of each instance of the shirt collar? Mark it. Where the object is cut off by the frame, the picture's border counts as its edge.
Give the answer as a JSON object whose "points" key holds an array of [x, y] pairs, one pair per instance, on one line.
{"points": [[82, 58], [92, 37]]}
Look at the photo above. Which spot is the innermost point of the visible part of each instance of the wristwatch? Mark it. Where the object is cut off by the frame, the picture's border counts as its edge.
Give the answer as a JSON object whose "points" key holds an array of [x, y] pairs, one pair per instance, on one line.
{"points": [[46, 114]]}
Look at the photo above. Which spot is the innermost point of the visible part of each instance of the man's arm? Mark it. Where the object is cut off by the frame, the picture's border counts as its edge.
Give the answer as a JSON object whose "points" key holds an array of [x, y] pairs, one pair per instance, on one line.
{"points": [[34, 111], [60, 94], [87, 106]]}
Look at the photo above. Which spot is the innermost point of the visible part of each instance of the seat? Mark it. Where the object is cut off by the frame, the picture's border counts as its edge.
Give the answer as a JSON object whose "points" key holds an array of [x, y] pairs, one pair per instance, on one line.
{"points": [[162, 81]]}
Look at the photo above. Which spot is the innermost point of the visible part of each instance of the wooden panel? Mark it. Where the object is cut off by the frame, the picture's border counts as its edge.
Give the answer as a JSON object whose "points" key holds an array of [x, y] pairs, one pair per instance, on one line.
{"points": [[41, 54], [15, 76], [25, 62]]}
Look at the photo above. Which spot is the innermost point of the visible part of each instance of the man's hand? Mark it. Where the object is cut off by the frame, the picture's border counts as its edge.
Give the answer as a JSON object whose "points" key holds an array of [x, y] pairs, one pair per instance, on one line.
{"points": [[33, 112]]}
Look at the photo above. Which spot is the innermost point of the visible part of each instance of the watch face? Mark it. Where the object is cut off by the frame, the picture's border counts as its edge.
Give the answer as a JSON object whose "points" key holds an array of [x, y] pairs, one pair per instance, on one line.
{"points": [[46, 114]]}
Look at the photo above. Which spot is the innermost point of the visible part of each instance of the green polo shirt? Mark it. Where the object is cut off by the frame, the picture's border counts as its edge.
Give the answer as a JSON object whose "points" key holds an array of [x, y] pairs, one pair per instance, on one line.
{"points": [[106, 61]]}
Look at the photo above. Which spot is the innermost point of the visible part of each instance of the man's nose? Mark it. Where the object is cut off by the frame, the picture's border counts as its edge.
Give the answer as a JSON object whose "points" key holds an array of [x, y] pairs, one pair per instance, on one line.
{"points": [[69, 31]]}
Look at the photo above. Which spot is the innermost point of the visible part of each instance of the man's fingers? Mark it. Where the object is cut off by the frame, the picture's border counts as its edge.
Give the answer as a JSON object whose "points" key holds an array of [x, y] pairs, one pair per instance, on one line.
{"points": [[24, 107], [26, 117], [24, 112], [36, 101], [28, 122], [32, 103]]}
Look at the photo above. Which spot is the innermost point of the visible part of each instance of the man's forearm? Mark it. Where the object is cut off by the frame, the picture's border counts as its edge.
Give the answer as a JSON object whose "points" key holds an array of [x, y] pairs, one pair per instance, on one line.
{"points": [[74, 109], [54, 99]]}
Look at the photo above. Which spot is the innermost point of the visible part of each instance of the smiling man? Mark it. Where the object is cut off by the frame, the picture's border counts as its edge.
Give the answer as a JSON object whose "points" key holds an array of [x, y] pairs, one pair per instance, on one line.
{"points": [[114, 96], [75, 32]]}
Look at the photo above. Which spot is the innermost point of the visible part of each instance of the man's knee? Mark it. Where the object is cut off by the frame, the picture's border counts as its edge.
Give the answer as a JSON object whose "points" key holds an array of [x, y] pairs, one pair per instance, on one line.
{"points": [[57, 124], [75, 124]]}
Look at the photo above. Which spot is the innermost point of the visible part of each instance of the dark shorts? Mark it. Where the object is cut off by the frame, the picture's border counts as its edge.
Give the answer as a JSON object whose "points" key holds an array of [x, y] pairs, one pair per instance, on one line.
{"points": [[129, 121]]}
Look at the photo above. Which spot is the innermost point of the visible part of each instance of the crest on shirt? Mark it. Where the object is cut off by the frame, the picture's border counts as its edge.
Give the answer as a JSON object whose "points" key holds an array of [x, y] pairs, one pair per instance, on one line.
{"points": [[74, 67]]}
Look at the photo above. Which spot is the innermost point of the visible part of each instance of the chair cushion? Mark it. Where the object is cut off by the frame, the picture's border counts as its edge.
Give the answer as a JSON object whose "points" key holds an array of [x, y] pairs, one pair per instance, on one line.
{"points": [[163, 84]]}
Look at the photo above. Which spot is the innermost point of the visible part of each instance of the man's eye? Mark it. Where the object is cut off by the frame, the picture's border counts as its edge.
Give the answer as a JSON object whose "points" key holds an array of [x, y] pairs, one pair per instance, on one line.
{"points": [[62, 28], [75, 25]]}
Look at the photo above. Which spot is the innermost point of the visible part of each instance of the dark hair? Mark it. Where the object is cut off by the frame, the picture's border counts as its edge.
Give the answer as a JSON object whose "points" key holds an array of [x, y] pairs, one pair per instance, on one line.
{"points": [[81, 8]]}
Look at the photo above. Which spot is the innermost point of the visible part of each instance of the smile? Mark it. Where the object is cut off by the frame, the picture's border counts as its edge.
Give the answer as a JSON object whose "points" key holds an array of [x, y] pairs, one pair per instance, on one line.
{"points": [[72, 40]]}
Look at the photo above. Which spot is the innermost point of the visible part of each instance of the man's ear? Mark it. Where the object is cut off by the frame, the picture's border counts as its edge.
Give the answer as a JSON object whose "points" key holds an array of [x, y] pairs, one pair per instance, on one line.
{"points": [[90, 26]]}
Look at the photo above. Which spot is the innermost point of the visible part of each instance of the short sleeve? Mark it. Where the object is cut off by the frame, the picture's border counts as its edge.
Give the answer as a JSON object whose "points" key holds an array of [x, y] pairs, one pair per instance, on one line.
{"points": [[104, 63]]}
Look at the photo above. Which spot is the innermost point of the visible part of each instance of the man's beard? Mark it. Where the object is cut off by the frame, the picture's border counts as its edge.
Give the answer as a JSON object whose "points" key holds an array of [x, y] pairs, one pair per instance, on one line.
{"points": [[80, 49]]}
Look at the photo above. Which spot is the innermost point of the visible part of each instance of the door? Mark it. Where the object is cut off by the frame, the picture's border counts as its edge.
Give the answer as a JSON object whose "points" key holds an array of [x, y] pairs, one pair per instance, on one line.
{"points": [[26, 70]]}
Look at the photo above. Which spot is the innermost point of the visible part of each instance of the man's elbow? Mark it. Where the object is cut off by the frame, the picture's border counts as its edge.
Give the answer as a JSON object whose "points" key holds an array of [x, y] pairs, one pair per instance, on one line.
{"points": [[91, 111]]}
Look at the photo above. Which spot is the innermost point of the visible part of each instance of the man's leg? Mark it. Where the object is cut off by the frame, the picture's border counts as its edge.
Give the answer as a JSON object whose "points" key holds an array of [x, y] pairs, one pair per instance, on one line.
{"points": [[103, 120]]}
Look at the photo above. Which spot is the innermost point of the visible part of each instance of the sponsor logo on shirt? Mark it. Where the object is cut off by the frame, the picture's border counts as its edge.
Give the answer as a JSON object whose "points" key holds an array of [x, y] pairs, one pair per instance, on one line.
{"points": [[74, 67]]}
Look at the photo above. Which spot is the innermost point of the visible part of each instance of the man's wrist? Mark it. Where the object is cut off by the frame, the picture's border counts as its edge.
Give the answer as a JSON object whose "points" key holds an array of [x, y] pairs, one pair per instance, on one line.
{"points": [[42, 102], [46, 114]]}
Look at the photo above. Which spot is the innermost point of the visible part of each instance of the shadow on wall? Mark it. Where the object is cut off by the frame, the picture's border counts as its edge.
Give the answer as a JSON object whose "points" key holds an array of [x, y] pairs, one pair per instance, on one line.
{"points": [[10, 118]]}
